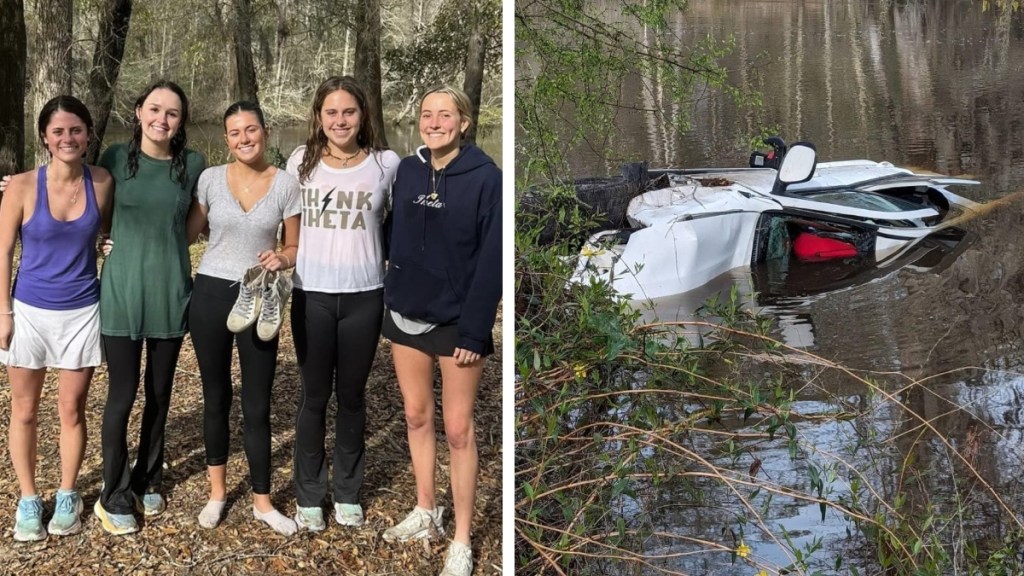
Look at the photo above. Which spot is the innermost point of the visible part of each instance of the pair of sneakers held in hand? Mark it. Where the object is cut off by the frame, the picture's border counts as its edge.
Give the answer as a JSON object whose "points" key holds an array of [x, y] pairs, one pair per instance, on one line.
{"points": [[261, 300]]}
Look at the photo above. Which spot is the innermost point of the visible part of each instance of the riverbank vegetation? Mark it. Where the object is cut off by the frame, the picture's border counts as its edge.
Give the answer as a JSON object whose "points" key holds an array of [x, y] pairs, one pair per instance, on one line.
{"points": [[708, 446]]}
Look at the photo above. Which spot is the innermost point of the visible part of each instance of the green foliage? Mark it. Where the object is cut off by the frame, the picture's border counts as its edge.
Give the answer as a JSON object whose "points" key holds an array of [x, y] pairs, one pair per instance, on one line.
{"points": [[436, 53]]}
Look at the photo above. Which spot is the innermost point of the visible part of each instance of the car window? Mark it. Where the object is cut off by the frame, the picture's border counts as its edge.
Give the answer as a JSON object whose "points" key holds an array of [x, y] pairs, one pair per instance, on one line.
{"points": [[863, 200]]}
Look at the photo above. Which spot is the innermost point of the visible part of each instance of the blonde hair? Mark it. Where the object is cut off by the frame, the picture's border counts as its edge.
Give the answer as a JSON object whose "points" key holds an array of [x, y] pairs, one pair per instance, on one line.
{"points": [[462, 103]]}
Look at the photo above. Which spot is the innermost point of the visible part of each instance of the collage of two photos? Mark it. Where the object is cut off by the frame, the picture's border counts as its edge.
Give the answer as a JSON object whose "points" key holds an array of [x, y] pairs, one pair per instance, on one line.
{"points": [[437, 287]]}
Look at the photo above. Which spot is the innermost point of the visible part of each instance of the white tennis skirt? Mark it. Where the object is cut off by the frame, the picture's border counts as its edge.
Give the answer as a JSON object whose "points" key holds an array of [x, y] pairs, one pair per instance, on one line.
{"points": [[68, 339]]}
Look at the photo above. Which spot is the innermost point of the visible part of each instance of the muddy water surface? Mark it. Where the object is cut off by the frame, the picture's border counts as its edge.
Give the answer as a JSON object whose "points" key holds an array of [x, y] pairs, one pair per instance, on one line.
{"points": [[937, 86]]}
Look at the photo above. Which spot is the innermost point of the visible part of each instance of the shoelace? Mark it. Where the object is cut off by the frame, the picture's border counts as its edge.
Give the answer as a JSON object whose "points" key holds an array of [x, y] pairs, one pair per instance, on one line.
{"points": [[66, 505], [459, 561], [31, 510], [416, 521], [269, 311], [245, 300]]}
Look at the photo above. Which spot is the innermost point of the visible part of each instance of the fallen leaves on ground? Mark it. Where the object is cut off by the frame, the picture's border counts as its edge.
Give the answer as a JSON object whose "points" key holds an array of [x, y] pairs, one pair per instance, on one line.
{"points": [[173, 543]]}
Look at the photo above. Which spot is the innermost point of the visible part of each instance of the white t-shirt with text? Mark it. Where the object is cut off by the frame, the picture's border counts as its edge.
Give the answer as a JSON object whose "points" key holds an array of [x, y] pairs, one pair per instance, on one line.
{"points": [[341, 245]]}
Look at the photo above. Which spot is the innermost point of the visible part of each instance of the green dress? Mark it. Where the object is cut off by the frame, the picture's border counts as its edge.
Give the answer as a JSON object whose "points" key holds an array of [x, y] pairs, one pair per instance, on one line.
{"points": [[147, 279]]}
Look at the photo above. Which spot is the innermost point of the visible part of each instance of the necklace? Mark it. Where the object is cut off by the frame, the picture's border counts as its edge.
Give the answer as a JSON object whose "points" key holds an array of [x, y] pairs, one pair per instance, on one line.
{"points": [[344, 161], [78, 186], [252, 181], [434, 174]]}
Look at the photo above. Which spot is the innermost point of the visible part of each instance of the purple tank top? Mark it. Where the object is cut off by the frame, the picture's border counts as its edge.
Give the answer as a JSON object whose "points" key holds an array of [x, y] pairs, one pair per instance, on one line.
{"points": [[58, 259]]}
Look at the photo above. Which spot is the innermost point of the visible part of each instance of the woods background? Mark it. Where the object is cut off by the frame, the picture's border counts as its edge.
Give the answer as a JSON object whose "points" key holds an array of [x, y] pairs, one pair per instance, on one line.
{"points": [[274, 52]]}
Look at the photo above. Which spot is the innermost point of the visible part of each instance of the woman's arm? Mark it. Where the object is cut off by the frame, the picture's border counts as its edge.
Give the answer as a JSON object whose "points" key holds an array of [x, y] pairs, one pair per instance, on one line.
{"points": [[11, 213], [103, 184], [196, 223], [480, 306], [284, 259]]}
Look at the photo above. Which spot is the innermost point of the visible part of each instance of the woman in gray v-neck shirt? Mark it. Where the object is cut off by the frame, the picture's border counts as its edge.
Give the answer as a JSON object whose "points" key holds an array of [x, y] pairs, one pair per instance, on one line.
{"points": [[244, 203]]}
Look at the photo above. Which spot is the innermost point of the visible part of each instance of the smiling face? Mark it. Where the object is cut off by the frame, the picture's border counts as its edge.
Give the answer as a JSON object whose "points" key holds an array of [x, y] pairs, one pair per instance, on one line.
{"points": [[245, 136], [160, 117], [341, 118], [441, 124], [66, 136]]}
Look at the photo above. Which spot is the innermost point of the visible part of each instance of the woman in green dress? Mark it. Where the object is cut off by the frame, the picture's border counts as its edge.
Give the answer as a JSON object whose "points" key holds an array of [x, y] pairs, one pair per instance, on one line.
{"points": [[145, 287]]}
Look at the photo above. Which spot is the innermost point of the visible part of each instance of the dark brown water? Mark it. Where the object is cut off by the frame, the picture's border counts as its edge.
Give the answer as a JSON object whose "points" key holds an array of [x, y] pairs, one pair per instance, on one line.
{"points": [[934, 85]]}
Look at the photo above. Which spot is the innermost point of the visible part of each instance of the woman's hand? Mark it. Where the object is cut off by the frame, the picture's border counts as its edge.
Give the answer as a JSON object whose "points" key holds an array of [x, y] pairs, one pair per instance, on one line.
{"points": [[105, 245], [273, 261], [4, 182], [465, 357], [6, 331]]}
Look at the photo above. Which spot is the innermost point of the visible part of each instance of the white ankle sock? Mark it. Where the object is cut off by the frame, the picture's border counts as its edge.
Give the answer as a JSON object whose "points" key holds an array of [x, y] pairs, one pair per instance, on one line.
{"points": [[209, 517], [279, 522]]}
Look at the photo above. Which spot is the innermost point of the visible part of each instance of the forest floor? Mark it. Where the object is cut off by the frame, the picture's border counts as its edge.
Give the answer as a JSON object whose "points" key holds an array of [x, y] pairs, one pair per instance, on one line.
{"points": [[173, 543]]}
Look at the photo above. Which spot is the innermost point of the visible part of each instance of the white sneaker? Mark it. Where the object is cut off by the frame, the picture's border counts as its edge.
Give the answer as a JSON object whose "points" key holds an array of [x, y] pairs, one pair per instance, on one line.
{"points": [[420, 524], [247, 306], [348, 514], [276, 291], [310, 518], [458, 561]]}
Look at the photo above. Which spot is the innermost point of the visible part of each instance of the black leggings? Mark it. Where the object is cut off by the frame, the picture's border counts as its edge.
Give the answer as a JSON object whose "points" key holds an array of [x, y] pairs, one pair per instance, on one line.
{"points": [[212, 299], [124, 359], [335, 334]]}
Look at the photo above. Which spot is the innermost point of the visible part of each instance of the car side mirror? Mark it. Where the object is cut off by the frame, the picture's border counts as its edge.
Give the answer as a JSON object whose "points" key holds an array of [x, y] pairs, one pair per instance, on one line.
{"points": [[798, 166]]}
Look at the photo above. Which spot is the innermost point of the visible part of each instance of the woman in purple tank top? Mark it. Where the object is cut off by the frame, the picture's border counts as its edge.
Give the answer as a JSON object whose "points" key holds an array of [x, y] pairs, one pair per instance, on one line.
{"points": [[51, 320]]}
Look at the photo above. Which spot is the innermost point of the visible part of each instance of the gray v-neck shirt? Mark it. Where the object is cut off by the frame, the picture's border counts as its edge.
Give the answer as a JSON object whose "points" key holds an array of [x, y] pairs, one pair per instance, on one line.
{"points": [[236, 236]]}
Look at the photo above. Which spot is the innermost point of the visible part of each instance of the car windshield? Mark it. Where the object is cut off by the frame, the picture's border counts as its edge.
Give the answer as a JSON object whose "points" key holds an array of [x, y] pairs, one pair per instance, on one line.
{"points": [[863, 200]]}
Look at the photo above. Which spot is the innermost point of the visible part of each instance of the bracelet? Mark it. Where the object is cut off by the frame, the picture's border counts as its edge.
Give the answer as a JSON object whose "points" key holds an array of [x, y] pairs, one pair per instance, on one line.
{"points": [[285, 258], [11, 313]]}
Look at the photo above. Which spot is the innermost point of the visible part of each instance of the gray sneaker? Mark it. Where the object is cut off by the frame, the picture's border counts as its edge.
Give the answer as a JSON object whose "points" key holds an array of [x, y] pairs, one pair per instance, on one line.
{"points": [[116, 524], [276, 291], [458, 561], [150, 504], [247, 306], [28, 520], [310, 518], [348, 514], [66, 514], [420, 524]]}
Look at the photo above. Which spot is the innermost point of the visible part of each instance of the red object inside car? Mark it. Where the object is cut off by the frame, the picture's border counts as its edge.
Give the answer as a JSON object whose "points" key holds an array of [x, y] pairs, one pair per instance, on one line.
{"points": [[810, 247]]}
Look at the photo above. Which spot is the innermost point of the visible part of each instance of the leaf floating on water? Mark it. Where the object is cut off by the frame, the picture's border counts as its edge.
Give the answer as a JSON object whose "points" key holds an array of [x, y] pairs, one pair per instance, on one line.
{"points": [[755, 467]]}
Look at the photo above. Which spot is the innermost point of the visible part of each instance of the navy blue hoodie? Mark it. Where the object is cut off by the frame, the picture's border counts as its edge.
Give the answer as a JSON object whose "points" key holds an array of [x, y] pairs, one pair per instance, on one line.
{"points": [[445, 249]]}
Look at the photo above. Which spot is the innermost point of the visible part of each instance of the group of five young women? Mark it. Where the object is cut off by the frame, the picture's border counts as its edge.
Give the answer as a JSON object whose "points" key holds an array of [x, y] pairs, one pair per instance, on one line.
{"points": [[409, 247]]}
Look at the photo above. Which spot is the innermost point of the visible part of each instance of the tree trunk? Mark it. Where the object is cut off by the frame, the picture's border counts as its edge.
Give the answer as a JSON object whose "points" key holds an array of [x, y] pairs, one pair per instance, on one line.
{"points": [[475, 50], [106, 66], [346, 51], [367, 64], [51, 57], [13, 53], [247, 87]]}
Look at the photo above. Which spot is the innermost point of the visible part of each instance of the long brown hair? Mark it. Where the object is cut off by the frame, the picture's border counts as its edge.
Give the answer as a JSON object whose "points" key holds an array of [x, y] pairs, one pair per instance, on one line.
{"points": [[316, 140]]}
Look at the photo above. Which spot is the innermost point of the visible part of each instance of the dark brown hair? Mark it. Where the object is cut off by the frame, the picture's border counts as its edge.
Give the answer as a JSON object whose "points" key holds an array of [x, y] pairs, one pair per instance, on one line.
{"points": [[63, 103], [178, 141]]}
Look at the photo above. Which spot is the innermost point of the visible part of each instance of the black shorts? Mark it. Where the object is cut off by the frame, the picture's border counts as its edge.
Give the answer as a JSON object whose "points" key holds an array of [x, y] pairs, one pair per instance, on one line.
{"points": [[441, 341]]}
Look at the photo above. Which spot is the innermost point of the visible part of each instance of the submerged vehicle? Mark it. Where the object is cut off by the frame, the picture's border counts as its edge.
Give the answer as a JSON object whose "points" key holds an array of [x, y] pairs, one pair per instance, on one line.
{"points": [[696, 224]]}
